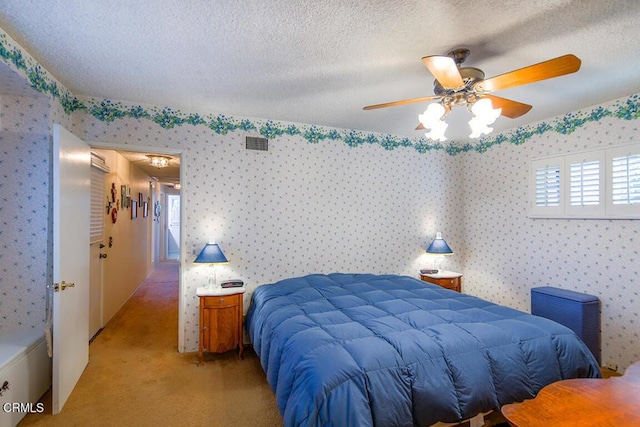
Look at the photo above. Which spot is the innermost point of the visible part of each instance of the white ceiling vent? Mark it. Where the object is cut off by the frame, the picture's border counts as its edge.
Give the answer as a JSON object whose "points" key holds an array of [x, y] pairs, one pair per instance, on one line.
{"points": [[257, 143]]}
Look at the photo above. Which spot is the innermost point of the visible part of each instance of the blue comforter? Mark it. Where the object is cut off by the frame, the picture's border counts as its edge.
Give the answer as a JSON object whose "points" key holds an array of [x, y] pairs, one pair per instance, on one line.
{"points": [[386, 350]]}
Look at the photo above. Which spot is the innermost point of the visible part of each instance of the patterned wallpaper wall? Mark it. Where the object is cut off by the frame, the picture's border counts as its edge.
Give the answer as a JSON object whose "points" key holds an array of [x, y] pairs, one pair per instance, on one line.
{"points": [[338, 200], [303, 208], [506, 253], [24, 206], [298, 208]]}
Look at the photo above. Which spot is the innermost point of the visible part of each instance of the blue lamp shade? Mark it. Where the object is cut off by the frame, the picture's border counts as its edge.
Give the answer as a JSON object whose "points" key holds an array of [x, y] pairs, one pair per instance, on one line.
{"points": [[439, 246], [211, 254]]}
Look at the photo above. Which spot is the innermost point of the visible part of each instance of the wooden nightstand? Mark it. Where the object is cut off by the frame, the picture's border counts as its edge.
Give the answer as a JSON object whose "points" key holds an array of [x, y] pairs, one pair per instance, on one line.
{"points": [[446, 279], [220, 320]]}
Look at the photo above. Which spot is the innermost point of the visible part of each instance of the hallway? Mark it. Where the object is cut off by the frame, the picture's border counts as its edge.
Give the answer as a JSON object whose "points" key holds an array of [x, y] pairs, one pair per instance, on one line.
{"points": [[136, 377]]}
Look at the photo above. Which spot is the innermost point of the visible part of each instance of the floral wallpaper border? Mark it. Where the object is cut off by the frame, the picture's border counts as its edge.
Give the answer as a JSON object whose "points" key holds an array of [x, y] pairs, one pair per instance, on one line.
{"points": [[108, 111]]}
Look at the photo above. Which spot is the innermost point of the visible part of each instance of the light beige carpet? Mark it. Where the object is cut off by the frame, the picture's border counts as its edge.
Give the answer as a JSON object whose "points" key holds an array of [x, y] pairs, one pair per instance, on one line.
{"points": [[136, 377]]}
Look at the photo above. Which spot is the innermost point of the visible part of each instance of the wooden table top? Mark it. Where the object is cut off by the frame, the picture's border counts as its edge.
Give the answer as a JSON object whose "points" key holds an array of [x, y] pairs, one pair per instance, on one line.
{"points": [[613, 402]]}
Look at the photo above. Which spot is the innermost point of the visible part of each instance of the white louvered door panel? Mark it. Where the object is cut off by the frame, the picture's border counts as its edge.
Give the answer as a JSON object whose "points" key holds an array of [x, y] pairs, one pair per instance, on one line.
{"points": [[96, 225]]}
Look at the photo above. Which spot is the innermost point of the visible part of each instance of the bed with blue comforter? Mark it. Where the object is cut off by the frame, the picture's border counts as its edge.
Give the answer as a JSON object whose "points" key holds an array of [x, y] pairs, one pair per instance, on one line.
{"points": [[387, 350]]}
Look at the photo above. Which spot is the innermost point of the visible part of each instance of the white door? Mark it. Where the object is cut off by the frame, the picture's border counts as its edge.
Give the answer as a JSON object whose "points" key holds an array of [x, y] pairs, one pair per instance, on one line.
{"points": [[96, 237], [71, 193]]}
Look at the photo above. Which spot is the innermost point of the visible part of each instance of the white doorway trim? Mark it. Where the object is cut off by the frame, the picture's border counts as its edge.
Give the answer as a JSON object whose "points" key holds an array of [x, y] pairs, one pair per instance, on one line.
{"points": [[174, 152]]}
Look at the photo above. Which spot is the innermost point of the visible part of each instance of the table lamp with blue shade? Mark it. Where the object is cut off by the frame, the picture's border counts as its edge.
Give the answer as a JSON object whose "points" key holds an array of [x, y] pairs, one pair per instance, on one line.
{"points": [[440, 248], [211, 254]]}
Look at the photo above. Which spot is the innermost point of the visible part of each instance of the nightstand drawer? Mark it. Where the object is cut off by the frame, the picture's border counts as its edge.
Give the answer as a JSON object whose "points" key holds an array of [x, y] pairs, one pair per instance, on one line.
{"points": [[453, 283], [221, 301]]}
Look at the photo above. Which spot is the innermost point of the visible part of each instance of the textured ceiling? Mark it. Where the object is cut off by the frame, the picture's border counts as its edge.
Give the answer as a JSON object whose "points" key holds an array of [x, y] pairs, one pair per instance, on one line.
{"points": [[320, 62]]}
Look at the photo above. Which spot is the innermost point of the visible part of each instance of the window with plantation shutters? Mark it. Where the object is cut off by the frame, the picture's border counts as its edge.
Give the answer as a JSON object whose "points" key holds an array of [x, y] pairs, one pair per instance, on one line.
{"points": [[98, 198], [603, 183]]}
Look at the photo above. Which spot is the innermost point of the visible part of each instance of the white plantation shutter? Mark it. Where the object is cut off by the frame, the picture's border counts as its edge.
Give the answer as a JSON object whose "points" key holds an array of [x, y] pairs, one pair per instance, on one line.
{"points": [[548, 186], [546, 197], [624, 175], [584, 184], [626, 180], [98, 198]]}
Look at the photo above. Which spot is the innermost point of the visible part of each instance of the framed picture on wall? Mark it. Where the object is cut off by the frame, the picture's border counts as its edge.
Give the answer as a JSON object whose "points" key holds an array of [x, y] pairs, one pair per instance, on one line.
{"points": [[156, 210], [134, 209], [145, 209], [123, 196]]}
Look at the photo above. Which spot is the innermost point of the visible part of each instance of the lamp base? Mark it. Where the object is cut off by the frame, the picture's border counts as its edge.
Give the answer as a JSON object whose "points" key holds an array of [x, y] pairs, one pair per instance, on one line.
{"points": [[212, 278]]}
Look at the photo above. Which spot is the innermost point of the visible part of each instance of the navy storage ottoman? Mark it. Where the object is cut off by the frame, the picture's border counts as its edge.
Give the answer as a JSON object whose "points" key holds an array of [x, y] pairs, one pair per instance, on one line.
{"points": [[577, 311]]}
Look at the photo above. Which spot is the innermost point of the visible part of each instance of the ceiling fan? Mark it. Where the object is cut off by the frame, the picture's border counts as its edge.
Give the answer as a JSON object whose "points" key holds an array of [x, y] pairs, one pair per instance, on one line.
{"points": [[457, 86]]}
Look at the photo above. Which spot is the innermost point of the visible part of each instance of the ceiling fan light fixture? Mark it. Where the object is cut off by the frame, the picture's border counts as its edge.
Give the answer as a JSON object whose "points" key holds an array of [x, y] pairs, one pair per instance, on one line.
{"points": [[433, 118], [436, 136], [432, 115], [483, 115], [484, 111], [479, 128], [456, 86], [437, 131], [159, 161]]}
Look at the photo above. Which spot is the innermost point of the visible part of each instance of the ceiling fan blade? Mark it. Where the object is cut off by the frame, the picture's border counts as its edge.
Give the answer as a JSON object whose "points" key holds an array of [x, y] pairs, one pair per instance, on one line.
{"points": [[403, 102], [445, 71], [556, 67], [510, 108]]}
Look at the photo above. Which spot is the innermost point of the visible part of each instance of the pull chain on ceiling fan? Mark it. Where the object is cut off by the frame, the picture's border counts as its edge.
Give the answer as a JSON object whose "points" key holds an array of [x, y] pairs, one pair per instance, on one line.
{"points": [[466, 86]]}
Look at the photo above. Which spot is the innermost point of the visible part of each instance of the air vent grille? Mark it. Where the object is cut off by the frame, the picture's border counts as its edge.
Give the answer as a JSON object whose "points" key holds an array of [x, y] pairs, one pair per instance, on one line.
{"points": [[257, 143]]}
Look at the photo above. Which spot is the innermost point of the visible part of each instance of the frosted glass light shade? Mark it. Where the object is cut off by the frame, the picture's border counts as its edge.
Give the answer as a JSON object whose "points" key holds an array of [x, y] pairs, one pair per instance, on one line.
{"points": [[432, 115], [478, 128], [484, 111], [437, 131], [483, 115], [433, 118]]}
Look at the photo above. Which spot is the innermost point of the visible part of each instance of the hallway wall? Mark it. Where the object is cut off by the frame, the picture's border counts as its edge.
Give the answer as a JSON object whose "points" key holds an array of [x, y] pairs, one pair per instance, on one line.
{"points": [[129, 260]]}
